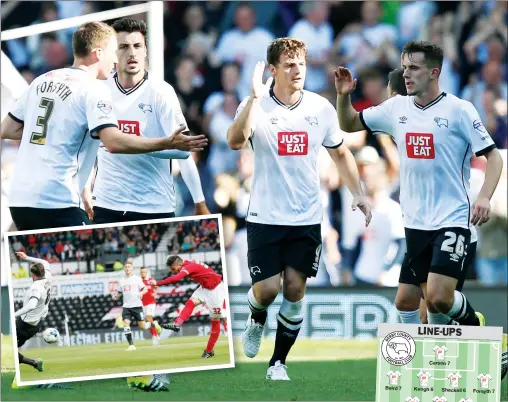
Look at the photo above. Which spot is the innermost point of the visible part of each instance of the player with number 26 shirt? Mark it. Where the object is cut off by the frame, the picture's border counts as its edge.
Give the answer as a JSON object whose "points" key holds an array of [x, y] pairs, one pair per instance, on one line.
{"points": [[210, 292]]}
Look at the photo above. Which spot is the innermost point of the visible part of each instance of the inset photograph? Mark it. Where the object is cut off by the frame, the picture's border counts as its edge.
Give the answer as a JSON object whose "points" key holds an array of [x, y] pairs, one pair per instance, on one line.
{"points": [[116, 301]]}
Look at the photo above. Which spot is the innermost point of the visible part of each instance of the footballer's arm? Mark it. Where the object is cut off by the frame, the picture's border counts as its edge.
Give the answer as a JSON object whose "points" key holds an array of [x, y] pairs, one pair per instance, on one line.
{"points": [[481, 206], [11, 129], [349, 118], [241, 129], [117, 142], [346, 165]]}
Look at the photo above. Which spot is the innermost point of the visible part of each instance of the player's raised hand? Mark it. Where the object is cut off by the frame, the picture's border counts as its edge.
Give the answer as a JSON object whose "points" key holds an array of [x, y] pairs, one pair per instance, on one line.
{"points": [[481, 211], [363, 204], [258, 88], [192, 143], [21, 255], [153, 282], [344, 82]]}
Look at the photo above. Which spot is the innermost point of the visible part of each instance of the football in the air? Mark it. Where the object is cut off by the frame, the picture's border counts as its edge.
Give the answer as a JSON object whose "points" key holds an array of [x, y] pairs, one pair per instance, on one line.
{"points": [[51, 335]]}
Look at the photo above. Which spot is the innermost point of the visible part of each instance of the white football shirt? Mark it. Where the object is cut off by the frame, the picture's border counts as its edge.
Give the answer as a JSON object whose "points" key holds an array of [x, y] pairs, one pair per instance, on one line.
{"points": [[393, 377], [423, 378], [439, 399], [435, 144], [62, 111], [440, 352], [484, 380], [385, 227], [412, 399], [285, 141], [130, 288], [139, 182], [40, 289], [454, 379]]}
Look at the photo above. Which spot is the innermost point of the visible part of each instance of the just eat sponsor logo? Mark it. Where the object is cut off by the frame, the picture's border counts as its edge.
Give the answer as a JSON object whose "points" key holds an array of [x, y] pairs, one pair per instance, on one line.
{"points": [[129, 127], [293, 143], [420, 145]]}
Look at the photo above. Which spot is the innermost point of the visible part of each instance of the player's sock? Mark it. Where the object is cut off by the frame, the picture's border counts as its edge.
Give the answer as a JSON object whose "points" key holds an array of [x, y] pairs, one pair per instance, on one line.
{"points": [[148, 325], [153, 331], [128, 334], [440, 319], [214, 335], [289, 322], [410, 317], [258, 312], [462, 311], [185, 313], [225, 325], [26, 360]]}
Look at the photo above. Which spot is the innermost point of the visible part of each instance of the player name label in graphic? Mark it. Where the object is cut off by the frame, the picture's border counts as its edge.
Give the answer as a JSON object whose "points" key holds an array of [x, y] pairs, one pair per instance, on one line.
{"points": [[437, 363]]}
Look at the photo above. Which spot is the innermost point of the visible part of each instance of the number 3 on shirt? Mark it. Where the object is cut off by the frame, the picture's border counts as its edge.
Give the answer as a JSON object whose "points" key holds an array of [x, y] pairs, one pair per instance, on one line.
{"points": [[42, 121]]}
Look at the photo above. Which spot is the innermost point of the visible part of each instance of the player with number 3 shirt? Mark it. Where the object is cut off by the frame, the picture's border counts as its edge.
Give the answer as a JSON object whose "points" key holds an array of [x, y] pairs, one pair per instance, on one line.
{"points": [[210, 292]]}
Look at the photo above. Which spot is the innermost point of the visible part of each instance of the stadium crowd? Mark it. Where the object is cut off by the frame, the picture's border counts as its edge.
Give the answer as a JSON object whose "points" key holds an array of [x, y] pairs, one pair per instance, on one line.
{"points": [[210, 52], [86, 244]]}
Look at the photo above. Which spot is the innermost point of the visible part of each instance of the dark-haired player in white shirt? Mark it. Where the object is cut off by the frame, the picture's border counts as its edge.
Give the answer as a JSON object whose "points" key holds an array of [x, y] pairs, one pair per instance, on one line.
{"points": [[35, 306], [286, 126], [140, 187], [59, 120], [436, 134]]}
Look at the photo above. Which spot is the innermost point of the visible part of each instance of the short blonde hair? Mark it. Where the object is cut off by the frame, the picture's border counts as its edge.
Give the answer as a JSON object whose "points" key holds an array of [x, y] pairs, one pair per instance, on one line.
{"points": [[90, 36], [280, 46]]}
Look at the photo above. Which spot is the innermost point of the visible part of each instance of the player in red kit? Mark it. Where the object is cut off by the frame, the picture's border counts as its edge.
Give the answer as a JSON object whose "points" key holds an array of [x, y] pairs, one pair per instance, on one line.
{"points": [[148, 301], [210, 292]]}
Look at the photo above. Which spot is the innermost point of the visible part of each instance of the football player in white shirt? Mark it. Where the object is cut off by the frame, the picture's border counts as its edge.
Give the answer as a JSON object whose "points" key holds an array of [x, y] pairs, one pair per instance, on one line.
{"points": [[59, 120], [140, 187], [436, 134], [35, 306], [285, 126], [132, 289], [397, 86]]}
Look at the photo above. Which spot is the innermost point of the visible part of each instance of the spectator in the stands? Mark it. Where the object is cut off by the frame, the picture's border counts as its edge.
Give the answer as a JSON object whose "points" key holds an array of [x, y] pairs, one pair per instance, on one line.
{"points": [[412, 17], [368, 42], [222, 159], [187, 89], [315, 31], [495, 117], [491, 78], [59, 250], [246, 44], [230, 75], [49, 12], [22, 272]]}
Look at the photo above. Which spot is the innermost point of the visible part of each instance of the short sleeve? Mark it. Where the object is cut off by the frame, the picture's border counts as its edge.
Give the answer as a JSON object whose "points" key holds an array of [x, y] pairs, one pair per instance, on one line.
{"points": [[99, 109], [170, 112], [378, 119], [17, 112], [472, 127], [334, 137]]}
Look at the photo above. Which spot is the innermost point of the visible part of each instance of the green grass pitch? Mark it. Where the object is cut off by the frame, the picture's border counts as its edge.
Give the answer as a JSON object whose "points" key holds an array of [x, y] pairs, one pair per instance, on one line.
{"points": [[326, 370], [104, 359]]}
